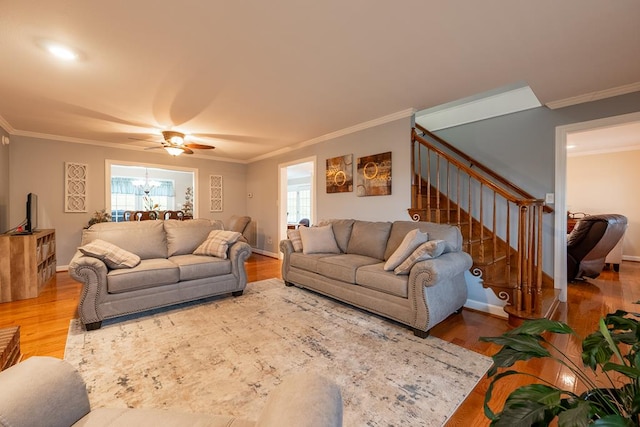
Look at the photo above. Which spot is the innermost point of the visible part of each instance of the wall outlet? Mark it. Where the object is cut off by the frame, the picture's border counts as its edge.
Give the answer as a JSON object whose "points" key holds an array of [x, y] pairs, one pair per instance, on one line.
{"points": [[269, 240], [549, 198]]}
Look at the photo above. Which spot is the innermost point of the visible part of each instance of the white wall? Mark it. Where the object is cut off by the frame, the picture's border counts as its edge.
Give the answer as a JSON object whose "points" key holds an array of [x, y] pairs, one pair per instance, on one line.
{"points": [[4, 185], [37, 165], [262, 181], [608, 183]]}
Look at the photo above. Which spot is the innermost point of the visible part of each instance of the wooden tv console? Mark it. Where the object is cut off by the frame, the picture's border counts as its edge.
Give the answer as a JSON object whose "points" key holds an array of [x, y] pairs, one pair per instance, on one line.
{"points": [[30, 264]]}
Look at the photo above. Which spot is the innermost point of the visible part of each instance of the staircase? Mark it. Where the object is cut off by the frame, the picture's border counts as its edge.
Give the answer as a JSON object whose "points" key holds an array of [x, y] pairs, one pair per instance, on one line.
{"points": [[501, 224]]}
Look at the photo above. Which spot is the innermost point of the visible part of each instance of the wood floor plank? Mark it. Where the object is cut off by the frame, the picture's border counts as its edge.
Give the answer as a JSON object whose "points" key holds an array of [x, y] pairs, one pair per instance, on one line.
{"points": [[44, 322]]}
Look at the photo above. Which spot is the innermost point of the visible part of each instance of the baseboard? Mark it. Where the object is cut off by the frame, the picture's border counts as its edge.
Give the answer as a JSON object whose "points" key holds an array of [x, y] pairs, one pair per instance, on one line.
{"points": [[631, 258], [265, 253], [62, 268], [494, 310]]}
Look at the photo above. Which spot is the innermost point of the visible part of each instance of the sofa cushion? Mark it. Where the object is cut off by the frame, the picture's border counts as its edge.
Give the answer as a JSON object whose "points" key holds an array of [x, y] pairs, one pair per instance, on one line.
{"points": [[183, 237], [306, 262], [369, 238], [149, 273], [146, 239], [375, 277], [341, 230], [411, 241], [238, 223], [449, 233], [110, 254], [428, 250], [343, 267], [217, 243], [318, 240], [198, 266], [296, 240]]}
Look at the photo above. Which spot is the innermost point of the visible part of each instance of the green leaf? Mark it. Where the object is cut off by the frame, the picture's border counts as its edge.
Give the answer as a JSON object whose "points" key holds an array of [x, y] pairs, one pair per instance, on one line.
{"points": [[607, 336], [629, 371], [613, 421], [533, 404], [539, 326], [595, 350], [577, 416]]}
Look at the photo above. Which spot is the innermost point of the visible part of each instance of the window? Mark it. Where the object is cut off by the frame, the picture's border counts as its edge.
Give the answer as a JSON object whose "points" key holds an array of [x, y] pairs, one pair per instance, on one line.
{"points": [[298, 205], [147, 187]]}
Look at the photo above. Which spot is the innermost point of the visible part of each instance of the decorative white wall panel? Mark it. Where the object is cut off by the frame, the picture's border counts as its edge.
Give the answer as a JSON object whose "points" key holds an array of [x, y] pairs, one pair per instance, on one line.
{"points": [[75, 187], [215, 193]]}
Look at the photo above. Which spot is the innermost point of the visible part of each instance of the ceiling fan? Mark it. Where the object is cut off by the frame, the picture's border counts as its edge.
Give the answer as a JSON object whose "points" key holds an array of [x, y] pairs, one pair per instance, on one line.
{"points": [[175, 144]]}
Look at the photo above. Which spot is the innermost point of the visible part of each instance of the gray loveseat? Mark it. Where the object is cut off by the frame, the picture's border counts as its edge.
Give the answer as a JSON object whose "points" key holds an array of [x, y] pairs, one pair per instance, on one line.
{"points": [[44, 391], [432, 290], [168, 271]]}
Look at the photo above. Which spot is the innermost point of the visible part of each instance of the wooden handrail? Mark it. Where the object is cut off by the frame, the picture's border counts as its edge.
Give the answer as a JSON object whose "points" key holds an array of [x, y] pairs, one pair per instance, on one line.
{"points": [[478, 165], [473, 173]]}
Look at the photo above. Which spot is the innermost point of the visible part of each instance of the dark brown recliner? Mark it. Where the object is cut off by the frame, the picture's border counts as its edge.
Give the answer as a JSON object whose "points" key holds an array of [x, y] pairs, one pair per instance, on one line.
{"points": [[590, 242]]}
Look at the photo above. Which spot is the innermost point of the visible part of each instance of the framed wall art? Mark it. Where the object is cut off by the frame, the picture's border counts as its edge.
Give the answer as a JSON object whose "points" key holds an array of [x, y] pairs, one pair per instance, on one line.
{"points": [[340, 174], [374, 175]]}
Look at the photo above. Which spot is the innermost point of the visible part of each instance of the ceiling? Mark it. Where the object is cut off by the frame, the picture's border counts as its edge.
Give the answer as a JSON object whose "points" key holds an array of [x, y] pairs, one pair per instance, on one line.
{"points": [[624, 137], [253, 77]]}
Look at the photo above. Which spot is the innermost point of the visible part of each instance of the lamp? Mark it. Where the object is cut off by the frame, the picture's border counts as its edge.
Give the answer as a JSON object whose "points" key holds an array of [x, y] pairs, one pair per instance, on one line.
{"points": [[174, 151]]}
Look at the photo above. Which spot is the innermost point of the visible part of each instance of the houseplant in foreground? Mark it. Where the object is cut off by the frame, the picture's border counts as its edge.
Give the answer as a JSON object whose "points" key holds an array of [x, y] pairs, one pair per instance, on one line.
{"points": [[611, 353]]}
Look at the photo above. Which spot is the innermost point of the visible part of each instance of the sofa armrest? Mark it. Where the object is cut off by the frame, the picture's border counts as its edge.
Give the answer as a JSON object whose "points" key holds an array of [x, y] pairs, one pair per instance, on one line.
{"points": [[446, 266], [42, 391], [239, 252], [303, 400], [92, 273]]}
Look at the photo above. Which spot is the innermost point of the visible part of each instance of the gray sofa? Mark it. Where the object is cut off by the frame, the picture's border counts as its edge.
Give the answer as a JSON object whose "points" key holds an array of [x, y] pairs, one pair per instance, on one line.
{"points": [[434, 288], [44, 391], [168, 272]]}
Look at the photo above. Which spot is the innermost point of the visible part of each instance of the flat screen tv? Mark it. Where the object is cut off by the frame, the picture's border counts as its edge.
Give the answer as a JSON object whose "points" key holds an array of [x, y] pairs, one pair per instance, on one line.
{"points": [[32, 213]]}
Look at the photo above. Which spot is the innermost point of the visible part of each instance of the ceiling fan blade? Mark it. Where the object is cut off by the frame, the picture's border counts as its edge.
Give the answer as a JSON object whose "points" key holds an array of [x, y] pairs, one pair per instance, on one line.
{"points": [[152, 148], [142, 139], [198, 146], [186, 150]]}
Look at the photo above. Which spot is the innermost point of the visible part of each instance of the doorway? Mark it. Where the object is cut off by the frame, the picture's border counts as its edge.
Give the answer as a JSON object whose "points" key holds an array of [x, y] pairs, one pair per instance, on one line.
{"points": [[560, 226], [297, 194]]}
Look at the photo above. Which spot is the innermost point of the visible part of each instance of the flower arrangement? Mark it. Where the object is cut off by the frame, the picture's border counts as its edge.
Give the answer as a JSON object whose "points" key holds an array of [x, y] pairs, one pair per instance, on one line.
{"points": [[187, 207]]}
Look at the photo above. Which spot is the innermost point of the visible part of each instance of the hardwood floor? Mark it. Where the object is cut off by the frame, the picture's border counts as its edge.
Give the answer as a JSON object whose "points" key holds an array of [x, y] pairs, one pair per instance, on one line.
{"points": [[44, 322]]}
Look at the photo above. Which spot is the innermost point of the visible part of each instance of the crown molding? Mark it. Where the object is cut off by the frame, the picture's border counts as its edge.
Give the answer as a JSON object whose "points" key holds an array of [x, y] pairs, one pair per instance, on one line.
{"points": [[342, 132], [603, 151], [594, 96], [6, 126], [113, 145]]}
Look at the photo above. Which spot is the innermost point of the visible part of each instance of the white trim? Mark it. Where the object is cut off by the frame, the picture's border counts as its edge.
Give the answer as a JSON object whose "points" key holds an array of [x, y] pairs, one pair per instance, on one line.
{"points": [[6, 126], [632, 258], [603, 151], [560, 240], [265, 253], [282, 193], [594, 96], [346, 131]]}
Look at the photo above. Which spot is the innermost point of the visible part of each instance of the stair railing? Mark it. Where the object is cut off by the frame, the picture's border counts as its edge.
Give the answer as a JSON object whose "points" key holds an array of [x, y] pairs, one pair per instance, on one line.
{"points": [[500, 222]]}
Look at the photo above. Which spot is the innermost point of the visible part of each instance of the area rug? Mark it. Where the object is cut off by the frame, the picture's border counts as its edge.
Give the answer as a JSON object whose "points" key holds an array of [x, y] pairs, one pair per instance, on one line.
{"points": [[225, 355]]}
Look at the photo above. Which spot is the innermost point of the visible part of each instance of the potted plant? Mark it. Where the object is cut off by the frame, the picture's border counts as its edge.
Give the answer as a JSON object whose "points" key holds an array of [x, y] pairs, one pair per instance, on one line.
{"points": [[611, 353], [99, 216]]}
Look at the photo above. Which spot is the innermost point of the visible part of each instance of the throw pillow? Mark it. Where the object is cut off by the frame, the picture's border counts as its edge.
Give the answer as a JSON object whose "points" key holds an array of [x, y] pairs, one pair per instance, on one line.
{"points": [[318, 240], [296, 240], [112, 255], [217, 243], [427, 250], [410, 243]]}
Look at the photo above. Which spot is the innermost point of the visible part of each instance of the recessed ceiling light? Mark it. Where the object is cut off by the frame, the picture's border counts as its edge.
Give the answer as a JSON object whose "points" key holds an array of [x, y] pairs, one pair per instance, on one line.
{"points": [[62, 52]]}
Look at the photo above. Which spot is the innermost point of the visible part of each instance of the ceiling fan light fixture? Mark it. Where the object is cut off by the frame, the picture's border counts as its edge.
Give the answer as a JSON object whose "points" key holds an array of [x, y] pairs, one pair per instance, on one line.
{"points": [[174, 151], [173, 137]]}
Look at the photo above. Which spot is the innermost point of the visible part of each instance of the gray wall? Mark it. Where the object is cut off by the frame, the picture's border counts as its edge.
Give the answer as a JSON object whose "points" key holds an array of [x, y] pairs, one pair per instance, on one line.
{"points": [[37, 165], [521, 146], [262, 181], [5, 224]]}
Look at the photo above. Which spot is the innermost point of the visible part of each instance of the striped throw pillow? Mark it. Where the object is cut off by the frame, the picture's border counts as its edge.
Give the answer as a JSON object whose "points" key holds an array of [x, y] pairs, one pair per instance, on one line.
{"points": [[112, 255], [296, 240], [217, 243]]}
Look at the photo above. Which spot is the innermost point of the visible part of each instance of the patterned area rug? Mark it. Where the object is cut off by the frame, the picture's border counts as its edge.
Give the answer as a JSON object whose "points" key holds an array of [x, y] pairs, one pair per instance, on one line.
{"points": [[225, 355]]}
